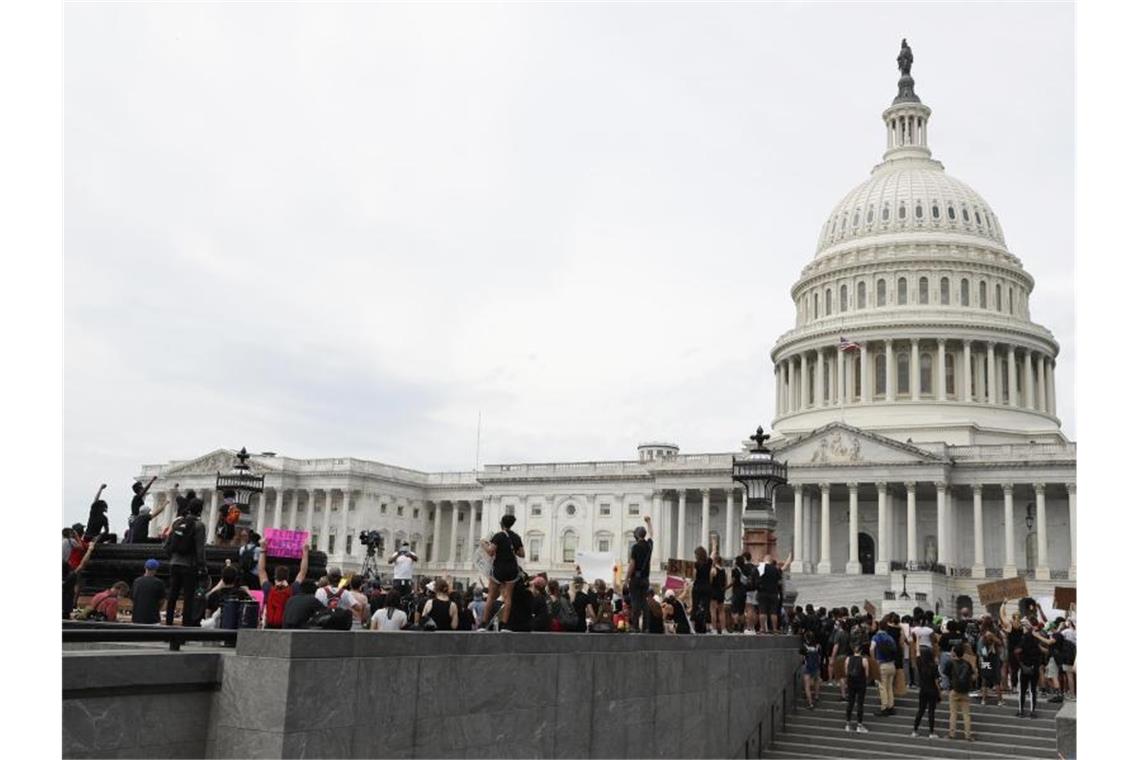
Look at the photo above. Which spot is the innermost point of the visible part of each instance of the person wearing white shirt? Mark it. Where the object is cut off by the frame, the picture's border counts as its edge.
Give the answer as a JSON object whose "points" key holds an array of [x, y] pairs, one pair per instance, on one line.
{"points": [[404, 561], [390, 617]]}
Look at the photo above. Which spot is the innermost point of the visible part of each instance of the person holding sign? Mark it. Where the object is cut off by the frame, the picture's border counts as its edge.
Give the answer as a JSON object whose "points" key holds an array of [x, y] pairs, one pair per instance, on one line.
{"points": [[505, 547]]}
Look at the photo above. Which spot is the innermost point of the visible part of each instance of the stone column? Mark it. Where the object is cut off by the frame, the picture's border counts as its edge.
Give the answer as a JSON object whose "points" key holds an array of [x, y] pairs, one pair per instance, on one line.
{"points": [[279, 508], [915, 387], [346, 496], [824, 528], [967, 373], [892, 384], [853, 567], [911, 521], [704, 518], [942, 527], [803, 384], [262, 516], [818, 378], [979, 569], [210, 498], [797, 528], [1050, 390], [1027, 398], [1072, 489], [309, 512], [454, 538], [293, 512], [940, 381], [1011, 375], [991, 373], [1042, 403], [437, 519], [864, 375], [326, 516], [840, 387], [729, 522], [882, 564], [1042, 534], [681, 523], [471, 528], [1009, 569]]}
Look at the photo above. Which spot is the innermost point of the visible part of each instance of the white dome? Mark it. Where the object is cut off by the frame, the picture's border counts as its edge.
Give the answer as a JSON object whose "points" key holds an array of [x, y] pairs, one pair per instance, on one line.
{"points": [[916, 196]]}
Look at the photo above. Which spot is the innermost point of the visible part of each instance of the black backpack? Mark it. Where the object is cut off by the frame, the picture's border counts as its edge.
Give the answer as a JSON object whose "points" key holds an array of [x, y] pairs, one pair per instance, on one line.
{"points": [[886, 647], [245, 558], [180, 540], [567, 615], [855, 672], [961, 676], [750, 577]]}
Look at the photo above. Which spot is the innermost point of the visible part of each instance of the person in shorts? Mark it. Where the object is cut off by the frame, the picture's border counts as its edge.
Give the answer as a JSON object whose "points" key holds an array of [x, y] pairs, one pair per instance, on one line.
{"points": [[812, 655], [505, 547], [768, 595], [737, 593]]}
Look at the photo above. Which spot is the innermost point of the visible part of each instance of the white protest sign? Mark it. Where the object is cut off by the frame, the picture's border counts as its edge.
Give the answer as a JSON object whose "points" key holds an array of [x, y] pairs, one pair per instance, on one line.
{"points": [[595, 565]]}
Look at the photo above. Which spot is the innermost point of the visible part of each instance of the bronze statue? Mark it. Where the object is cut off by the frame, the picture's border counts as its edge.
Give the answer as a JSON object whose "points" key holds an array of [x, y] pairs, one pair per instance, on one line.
{"points": [[760, 437], [905, 59]]}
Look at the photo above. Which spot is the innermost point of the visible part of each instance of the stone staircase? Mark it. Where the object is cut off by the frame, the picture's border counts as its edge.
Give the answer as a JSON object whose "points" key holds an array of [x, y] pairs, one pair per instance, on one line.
{"points": [[999, 733]]}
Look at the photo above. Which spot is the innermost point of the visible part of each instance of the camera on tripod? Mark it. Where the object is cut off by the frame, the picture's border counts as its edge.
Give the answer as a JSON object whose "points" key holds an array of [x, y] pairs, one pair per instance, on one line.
{"points": [[371, 540]]}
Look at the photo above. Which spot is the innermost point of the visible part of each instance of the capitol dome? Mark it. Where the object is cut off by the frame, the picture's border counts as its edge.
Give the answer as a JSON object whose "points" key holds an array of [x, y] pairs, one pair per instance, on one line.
{"points": [[912, 317]]}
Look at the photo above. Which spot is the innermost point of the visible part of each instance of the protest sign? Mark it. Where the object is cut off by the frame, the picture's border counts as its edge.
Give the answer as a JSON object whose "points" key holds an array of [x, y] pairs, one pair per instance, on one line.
{"points": [[998, 591], [869, 608], [1064, 598], [482, 562], [595, 565], [674, 582], [285, 543], [682, 567]]}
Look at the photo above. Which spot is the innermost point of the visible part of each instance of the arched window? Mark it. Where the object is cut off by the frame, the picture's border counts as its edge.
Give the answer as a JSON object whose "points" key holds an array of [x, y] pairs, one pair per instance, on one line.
{"points": [[1009, 301], [923, 290], [918, 211], [902, 211], [855, 220], [870, 215], [815, 298], [977, 218], [902, 367], [997, 297], [569, 545], [827, 302], [901, 294], [843, 298], [861, 293], [880, 374], [925, 374], [886, 213], [881, 293], [934, 211], [949, 374], [982, 295], [964, 296], [944, 291], [950, 212]]}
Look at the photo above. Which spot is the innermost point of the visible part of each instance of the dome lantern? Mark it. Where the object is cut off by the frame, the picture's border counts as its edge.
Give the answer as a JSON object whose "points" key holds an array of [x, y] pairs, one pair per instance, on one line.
{"points": [[907, 117]]}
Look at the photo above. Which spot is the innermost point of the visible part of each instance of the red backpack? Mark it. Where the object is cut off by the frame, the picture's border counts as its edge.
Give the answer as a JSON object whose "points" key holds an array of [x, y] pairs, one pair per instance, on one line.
{"points": [[332, 598], [275, 606]]}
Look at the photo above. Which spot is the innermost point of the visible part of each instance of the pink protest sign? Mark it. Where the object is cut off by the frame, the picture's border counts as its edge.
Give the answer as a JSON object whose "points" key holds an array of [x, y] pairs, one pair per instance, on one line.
{"points": [[256, 594], [673, 582], [285, 543]]}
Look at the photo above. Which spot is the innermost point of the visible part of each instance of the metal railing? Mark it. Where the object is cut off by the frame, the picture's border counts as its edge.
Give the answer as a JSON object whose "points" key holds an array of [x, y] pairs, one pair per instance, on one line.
{"points": [[75, 631]]}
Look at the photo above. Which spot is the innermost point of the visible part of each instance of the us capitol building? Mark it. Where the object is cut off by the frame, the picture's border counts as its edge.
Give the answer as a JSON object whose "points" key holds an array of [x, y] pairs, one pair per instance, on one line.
{"points": [[915, 406]]}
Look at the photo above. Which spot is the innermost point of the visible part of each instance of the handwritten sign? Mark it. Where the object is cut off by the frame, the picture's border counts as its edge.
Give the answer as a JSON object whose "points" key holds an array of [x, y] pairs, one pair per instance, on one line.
{"points": [[595, 565], [686, 568], [1064, 598], [482, 562], [285, 543], [673, 582], [998, 591]]}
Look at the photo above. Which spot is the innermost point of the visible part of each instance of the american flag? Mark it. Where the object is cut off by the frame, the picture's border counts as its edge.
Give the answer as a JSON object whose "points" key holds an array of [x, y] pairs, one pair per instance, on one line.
{"points": [[848, 345]]}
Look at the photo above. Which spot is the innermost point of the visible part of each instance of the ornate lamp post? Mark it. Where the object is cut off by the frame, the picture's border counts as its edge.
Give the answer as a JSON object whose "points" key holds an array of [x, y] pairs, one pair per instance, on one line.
{"points": [[239, 485], [759, 473]]}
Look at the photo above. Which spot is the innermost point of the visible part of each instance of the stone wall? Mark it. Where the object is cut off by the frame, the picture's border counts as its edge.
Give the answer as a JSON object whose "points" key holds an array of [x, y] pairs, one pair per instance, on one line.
{"points": [[363, 694]]}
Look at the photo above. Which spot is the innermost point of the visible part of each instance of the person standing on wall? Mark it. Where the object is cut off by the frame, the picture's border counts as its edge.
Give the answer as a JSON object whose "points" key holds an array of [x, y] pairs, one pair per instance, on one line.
{"points": [[702, 591], [637, 573], [186, 547], [505, 547]]}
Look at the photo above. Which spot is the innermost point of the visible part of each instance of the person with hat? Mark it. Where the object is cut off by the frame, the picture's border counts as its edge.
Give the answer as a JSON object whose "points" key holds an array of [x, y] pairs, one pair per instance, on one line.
{"points": [[138, 532], [147, 594], [138, 501]]}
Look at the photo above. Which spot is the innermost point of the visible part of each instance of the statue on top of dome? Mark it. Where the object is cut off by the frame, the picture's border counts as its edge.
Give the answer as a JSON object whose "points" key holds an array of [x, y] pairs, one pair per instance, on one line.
{"points": [[905, 59]]}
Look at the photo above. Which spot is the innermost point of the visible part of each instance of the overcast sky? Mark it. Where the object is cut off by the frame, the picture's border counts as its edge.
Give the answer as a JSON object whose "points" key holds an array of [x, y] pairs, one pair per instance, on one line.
{"points": [[346, 230]]}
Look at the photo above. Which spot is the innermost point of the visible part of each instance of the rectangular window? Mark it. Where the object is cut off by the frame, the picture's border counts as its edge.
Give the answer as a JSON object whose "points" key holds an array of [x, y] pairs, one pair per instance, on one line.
{"points": [[536, 510], [416, 513], [399, 511], [535, 549], [604, 510], [383, 509], [348, 545], [509, 509], [351, 506], [569, 548], [332, 543], [461, 516], [634, 509], [313, 538], [603, 544]]}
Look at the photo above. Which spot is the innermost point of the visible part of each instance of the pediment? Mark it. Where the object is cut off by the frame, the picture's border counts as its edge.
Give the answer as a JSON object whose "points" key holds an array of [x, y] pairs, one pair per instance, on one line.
{"points": [[220, 460], [841, 444]]}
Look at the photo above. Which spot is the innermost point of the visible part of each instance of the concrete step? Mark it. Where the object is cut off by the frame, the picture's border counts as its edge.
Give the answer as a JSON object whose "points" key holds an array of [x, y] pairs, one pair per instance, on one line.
{"points": [[872, 745], [1038, 728], [900, 725]]}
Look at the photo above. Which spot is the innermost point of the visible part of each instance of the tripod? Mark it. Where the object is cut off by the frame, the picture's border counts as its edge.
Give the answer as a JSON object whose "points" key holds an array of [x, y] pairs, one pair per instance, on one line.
{"points": [[370, 569]]}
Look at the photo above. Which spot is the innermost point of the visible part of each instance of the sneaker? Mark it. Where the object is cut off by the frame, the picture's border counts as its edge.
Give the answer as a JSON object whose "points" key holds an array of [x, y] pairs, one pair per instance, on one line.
{"points": [[847, 727], [975, 694], [1020, 714], [933, 736], [1032, 713], [861, 729], [914, 734]]}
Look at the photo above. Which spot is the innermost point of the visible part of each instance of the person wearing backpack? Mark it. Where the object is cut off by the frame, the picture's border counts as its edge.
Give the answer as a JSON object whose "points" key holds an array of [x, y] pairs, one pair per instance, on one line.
{"points": [[856, 668], [884, 650], [248, 556], [186, 547], [961, 674], [277, 594]]}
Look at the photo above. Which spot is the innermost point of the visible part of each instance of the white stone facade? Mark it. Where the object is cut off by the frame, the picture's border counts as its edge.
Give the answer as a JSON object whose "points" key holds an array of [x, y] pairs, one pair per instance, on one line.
{"points": [[933, 439]]}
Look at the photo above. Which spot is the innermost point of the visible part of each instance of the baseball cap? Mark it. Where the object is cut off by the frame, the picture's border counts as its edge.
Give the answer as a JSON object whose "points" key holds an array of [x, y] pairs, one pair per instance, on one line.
{"points": [[152, 564]]}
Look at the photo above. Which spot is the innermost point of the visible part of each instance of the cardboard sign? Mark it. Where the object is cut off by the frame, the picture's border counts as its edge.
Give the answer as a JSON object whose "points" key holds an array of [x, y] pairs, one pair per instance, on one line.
{"points": [[285, 543], [595, 565], [869, 608], [998, 591], [1064, 598], [684, 568]]}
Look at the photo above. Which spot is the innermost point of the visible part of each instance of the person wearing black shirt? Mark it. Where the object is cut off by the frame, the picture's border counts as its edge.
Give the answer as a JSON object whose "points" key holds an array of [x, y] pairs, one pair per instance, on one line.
{"points": [[737, 582], [1030, 658], [702, 590], [185, 566], [505, 547], [580, 598], [147, 594], [637, 573], [302, 606], [768, 596], [719, 579], [539, 609], [97, 525]]}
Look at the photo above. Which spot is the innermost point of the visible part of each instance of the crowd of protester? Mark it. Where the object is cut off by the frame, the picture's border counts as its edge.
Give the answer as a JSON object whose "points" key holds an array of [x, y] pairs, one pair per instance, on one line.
{"points": [[959, 659]]}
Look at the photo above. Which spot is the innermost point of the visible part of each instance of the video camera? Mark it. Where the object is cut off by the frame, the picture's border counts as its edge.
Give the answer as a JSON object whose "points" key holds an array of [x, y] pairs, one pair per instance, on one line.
{"points": [[371, 540]]}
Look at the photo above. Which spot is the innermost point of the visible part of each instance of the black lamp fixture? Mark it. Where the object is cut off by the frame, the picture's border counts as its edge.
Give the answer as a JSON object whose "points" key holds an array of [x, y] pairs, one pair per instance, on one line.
{"points": [[759, 473], [240, 484]]}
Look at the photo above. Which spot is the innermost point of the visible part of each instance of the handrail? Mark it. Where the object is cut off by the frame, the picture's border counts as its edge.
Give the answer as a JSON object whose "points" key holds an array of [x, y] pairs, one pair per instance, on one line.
{"points": [[90, 631]]}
